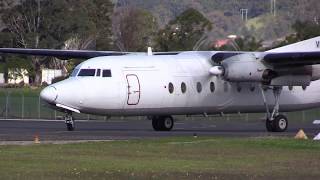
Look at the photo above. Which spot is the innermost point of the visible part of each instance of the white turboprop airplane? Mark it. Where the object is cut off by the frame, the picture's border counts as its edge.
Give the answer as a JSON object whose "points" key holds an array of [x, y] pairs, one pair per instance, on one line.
{"points": [[160, 85]]}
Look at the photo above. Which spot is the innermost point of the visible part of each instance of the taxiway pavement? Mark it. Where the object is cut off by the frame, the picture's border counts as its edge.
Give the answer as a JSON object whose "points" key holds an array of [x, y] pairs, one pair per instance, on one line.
{"points": [[26, 130]]}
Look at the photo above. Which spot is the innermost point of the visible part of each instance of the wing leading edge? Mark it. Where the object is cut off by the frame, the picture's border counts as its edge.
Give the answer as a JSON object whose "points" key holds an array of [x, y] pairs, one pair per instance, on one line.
{"points": [[63, 54]]}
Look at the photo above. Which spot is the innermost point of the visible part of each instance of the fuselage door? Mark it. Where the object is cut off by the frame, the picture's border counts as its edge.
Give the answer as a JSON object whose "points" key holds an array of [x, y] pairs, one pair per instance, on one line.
{"points": [[133, 89]]}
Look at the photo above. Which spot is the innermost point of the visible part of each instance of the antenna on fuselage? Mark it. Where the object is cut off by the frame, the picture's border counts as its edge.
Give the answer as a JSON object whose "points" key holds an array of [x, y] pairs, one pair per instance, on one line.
{"points": [[150, 51]]}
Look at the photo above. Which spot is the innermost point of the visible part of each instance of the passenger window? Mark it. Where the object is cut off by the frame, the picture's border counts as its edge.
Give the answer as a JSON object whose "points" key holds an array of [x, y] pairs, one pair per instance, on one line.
{"points": [[87, 72], [304, 88], [171, 88], [98, 72], [199, 87], [106, 73], [212, 87], [183, 87]]}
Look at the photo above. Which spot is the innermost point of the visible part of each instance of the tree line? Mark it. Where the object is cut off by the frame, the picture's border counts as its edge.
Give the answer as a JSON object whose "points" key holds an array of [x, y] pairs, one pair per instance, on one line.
{"points": [[99, 25]]}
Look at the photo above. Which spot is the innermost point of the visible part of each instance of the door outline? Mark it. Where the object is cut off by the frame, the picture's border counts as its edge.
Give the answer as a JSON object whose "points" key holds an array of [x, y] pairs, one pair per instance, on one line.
{"points": [[129, 92]]}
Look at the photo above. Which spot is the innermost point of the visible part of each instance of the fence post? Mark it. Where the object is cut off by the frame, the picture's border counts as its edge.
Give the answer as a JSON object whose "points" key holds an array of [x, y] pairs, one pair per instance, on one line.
{"points": [[303, 116], [39, 108], [22, 107], [7, 104]]}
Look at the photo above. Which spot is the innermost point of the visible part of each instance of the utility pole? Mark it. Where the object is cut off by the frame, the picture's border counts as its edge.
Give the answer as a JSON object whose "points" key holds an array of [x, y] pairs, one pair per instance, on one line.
{"points": [[273, 7], [244, 14]]}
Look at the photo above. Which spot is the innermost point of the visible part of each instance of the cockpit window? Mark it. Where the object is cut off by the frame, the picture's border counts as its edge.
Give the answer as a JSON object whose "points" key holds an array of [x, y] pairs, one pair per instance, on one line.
{"points": [[87, 72], [98, 72], [106, 73], [74, 72]]}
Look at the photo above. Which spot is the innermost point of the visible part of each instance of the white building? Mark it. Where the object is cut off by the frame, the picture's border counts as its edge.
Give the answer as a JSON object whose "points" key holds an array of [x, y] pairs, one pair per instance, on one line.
{"points": [[2, 80], [49, 74]]}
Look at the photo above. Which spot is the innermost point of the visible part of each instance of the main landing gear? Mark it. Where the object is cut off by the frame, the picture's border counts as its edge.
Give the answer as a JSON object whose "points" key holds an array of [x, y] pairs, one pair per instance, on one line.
{"points": [[162, 123], [69, 120], [275, 122]]}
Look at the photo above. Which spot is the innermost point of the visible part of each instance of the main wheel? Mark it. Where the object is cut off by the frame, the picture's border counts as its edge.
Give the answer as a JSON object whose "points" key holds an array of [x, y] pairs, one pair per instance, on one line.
{"points": [[269, 125], [280, 123], [167, 123], [156, 123], [162, 123]]}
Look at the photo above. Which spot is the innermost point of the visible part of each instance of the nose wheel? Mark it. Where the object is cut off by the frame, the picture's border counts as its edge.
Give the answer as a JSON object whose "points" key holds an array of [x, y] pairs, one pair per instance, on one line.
{"points": [[275, 122], [69, 121]]}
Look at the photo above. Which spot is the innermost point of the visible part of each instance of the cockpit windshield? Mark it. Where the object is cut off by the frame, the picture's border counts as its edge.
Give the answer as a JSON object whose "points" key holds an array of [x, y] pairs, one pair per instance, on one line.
{"points": [[74, 72], [87, 72], [91, 72]]}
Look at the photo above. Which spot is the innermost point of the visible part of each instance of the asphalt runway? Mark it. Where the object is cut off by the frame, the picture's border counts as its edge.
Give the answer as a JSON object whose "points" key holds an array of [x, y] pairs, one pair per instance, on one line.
{"points": [[26, 130]]}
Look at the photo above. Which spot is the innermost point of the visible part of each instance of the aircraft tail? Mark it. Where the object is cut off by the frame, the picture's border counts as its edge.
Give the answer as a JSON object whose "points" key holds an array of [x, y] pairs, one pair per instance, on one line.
{"points": [[310, 45]]}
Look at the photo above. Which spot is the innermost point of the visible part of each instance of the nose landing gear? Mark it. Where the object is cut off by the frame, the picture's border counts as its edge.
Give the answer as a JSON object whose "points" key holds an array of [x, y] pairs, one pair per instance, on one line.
{"points": [[69, 121], [275, 122]]}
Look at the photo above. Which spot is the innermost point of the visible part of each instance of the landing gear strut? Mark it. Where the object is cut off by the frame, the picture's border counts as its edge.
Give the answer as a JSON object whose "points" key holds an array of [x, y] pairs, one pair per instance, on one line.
{"points": [[162, 123], [69, 120], [275, 122]]}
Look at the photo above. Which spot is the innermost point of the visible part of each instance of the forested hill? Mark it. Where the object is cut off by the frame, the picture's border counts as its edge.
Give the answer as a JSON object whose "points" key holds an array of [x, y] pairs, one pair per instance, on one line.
{"points": [[225, 14], [226, 17]]}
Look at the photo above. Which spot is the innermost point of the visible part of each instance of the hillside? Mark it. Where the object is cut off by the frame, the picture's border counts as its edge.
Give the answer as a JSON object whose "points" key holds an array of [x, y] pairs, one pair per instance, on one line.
{"points": [[226, 16]]}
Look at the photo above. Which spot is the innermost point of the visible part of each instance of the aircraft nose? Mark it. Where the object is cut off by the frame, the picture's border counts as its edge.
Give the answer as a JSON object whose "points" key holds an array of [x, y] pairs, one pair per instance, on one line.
{"points": [[49, 94]]}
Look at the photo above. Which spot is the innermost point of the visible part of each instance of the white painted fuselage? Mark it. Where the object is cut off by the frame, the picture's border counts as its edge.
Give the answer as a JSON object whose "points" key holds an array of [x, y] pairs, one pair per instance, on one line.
{"points": [[167, 85]]}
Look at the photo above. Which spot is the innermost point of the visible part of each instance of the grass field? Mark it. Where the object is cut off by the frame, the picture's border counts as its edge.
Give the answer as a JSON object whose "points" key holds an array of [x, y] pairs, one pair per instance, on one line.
{"points": [[172, 158]]}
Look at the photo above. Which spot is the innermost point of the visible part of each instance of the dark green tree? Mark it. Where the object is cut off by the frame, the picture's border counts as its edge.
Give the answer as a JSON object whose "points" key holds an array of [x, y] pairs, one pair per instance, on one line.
{"points": [[57, 24], [303, 30], [134, 29], [101, 16], [184, 32]]}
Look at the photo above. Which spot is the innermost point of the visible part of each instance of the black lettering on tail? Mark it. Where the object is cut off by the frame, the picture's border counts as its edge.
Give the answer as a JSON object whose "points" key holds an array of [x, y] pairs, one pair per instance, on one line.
{"points": [[318, 44]]}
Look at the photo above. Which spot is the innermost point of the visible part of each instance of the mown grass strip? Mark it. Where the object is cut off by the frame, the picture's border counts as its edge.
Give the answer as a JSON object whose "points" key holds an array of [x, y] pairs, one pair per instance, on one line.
{"points": [[169, 158]]}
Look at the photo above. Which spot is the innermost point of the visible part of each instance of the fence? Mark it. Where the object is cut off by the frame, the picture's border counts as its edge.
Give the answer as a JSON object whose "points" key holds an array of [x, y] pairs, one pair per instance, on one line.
{"points": [[26, 104]]}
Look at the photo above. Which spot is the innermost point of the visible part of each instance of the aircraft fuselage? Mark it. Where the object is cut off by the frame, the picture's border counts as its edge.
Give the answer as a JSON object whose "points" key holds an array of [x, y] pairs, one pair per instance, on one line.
{"points": [[166, 85]]}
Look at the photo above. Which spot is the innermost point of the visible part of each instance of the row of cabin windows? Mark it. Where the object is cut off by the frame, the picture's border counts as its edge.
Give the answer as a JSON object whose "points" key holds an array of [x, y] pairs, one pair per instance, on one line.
{"points": [[183, 87], [92, 72]]}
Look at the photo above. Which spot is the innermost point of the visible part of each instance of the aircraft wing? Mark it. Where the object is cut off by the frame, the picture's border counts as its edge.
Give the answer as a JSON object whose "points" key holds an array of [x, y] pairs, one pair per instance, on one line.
{"points": [[302, 53], [63, 54], [292, 58]]}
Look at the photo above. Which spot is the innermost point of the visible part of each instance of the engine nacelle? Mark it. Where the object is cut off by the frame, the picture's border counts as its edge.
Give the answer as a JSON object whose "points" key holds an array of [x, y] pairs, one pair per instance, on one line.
{"points": [[246, 68]]}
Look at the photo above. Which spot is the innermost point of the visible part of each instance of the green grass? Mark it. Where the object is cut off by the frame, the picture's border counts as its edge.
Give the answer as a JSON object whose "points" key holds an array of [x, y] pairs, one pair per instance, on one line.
{"points": [[172, 158]]}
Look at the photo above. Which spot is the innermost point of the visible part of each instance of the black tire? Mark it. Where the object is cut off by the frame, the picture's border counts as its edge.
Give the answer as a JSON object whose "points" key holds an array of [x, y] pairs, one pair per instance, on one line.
{"points": [[70, 126], [70, 123], [156, 123], [280, 123], [269, 125], [162, 123], [167, 123]]}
